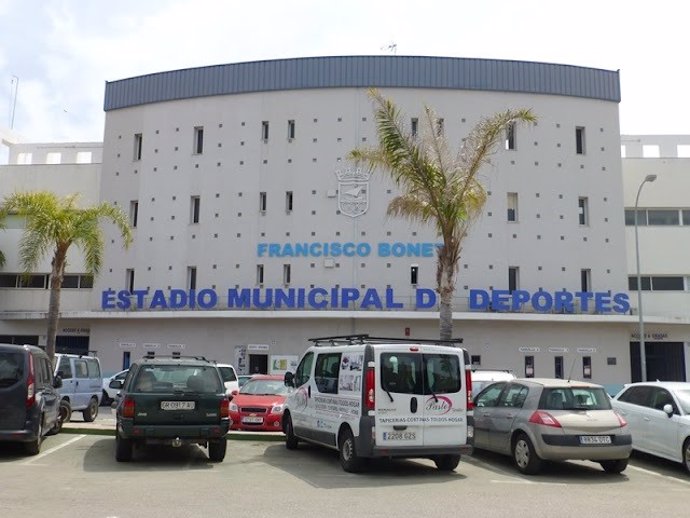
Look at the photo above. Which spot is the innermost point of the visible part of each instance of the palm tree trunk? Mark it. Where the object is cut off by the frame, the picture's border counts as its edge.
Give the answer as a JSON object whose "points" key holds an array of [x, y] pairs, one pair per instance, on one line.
{"points": [[446, 289], [59, 262]]}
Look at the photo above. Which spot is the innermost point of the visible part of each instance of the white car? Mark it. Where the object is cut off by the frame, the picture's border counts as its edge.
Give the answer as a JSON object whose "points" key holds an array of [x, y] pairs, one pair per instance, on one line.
{"points": [[484, 377], [229, 375], [110, 393], [658, 415]]}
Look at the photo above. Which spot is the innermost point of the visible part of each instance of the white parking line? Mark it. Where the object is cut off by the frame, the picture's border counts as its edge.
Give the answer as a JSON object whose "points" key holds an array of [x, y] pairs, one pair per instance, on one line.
{"points": [[649, 472], [52, 450]]}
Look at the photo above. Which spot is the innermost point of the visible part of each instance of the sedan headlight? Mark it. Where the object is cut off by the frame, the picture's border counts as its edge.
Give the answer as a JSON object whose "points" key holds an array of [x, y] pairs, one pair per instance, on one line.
{"points": [[233, 407], [278, 408]]}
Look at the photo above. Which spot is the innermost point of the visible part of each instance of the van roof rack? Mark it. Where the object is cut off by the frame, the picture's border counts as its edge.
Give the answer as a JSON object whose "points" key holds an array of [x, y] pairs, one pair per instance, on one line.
{"points": [[361, 339], [175, 355]]}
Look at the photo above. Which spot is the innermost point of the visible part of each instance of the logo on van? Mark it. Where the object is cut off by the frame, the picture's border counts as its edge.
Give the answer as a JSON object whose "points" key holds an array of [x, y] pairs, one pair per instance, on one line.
{"points": [[439, 405], [301, 398]]}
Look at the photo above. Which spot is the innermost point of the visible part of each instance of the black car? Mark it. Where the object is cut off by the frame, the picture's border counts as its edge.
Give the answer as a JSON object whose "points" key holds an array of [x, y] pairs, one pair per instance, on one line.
{"points": [[29, 400], [171, 401]]}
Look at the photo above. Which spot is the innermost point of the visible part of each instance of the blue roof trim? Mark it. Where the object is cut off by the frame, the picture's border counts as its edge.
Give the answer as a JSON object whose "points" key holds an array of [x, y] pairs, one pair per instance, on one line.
{"points": [[362, 72]]}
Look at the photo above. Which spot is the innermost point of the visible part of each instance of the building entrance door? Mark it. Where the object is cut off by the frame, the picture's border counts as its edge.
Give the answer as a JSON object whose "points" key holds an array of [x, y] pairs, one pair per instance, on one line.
{"points": [[665, 361], [258, 364]]}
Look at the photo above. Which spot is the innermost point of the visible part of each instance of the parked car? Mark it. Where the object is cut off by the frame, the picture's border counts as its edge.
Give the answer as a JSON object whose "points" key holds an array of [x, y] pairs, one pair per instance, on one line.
{"points": [[551, 419], [483, 377], [259, 404], [171, 400], [227, 372], [82, 383], [381, 397], [109, 394], [658, 415], [29, 398]]}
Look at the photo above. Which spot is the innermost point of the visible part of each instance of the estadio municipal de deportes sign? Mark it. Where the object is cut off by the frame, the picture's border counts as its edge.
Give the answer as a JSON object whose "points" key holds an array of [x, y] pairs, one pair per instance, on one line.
{"points": [[353, 298]]}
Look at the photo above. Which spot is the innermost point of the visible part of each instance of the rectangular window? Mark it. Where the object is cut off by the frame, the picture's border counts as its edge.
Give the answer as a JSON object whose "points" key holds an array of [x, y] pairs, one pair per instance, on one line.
{"points": [[587, 367], [291, 130], [476, 360], [513, 278], [414, 273], [259, 273], [33, 281], [8, 280], [262, 201], [580, 140], [133, 213], [510, 136], [286, 274], [529, 366], [264, 131], [288, 201], [84, 157], [583, 209], [439, 127], [195, 208], [70, 281], [138, 143], [686, 217], [327, 372], [586, 280], [646, 282], [53, 157], [558, 367], [512, 206], [663, 217], [191, 277], [668, 283], [414, 124], [641, 217], [129, 279], [198, 140], [86, 281]]}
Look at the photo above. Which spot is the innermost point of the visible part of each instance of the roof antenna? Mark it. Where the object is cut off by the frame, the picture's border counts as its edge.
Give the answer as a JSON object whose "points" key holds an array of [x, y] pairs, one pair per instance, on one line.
{"points": [[392, 47], [570, 373]]}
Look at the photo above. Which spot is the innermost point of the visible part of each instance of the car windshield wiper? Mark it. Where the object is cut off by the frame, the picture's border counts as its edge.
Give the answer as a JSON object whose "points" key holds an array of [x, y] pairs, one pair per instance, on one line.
{"points": [[433, 394], [385, 389]]}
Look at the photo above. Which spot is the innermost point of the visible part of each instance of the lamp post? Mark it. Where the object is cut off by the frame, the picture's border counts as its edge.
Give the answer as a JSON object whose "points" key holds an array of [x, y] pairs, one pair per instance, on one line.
{"points": [[643, 352]]}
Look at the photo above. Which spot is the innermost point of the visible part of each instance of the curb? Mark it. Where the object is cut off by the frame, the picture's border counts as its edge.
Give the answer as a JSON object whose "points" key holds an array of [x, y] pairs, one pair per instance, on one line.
{"points": [[233, 435]]}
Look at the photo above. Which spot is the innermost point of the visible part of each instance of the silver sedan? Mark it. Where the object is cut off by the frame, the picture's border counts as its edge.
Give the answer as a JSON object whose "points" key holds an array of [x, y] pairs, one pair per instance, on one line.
{"points": [[534, 420]]}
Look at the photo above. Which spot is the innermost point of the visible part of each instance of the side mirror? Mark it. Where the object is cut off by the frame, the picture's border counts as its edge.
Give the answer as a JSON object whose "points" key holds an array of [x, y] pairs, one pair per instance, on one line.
{"points": [[234, 392], [289, 379], [61, 374], [57, 381], [116, 384], [668, 408]]}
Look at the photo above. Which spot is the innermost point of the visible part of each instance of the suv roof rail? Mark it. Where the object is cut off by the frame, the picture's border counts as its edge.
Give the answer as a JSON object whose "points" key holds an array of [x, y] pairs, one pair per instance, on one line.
{"points": [[361, 339], [175, 355]]}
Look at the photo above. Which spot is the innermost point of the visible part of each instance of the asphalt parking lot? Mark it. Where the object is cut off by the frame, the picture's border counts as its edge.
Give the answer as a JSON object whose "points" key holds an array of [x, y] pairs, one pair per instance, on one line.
{"points": [[76, 475]]}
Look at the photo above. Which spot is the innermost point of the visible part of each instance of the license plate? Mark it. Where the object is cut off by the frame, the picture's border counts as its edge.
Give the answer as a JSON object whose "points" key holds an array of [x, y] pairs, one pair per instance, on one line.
{"points": [[178, 405], [399, 436], [253, 420], [595, 439]]}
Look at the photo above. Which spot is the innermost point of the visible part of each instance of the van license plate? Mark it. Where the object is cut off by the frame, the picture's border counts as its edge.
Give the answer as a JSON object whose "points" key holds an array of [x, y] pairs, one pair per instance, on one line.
{"points": [[399, 436], [178, 405], [595, 439]]}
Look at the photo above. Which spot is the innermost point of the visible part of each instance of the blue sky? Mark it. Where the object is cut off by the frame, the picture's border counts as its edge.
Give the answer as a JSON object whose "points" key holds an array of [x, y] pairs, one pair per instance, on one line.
{"points": [[63, 51]]}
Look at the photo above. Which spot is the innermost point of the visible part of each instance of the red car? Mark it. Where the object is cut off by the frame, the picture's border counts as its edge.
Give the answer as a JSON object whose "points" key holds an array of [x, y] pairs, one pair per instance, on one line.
{"points": [[259, 404]]}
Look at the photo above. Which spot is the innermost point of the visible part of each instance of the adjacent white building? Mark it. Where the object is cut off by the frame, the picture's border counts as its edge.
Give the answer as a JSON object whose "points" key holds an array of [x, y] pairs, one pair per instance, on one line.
{"points": [[253, 232]]}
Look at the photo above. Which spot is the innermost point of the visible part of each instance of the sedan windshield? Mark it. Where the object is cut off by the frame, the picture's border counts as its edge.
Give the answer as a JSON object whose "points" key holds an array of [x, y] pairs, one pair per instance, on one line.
{"points": [[259, 387]]}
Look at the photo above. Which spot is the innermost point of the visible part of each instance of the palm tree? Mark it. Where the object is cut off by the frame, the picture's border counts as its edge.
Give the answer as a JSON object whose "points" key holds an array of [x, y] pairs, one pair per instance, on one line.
{"points": [[437, 187], [53, 224]]}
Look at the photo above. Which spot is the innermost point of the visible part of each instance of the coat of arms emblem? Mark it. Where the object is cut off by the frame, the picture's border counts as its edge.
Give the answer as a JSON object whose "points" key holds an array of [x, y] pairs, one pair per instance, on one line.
{"points": [[353, 191]]}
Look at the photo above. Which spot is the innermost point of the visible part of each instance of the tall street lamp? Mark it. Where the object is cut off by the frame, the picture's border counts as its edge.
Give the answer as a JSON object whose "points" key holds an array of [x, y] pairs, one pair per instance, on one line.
{"points": [[643, 352]]}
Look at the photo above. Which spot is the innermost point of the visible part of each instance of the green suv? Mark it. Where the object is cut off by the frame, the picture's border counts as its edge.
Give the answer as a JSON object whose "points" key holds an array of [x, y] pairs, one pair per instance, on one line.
{"points": [[172, 401]]}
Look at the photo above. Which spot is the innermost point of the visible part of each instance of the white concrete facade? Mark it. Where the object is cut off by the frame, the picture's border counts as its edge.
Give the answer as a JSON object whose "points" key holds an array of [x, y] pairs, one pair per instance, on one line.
{"points": [[152, 160]]}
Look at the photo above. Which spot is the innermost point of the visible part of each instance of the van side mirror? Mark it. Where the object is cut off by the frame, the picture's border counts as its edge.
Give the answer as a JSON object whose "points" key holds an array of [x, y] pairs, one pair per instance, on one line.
{"points": [[668, 408], [116, 384], [57, 382], [289, 379]]}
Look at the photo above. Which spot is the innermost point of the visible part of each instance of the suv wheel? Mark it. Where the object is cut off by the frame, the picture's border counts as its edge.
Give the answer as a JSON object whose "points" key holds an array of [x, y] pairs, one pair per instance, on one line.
{"points": [[217, 449], [34, 447], [526, 459], [123, 448], [447, 462], [91, 411], [349, 459], [64, 413], [291, 440]]}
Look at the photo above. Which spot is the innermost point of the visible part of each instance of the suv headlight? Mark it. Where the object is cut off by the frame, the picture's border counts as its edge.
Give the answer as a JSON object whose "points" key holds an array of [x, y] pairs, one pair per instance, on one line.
{"points": [[233, 407], [278, 408]]}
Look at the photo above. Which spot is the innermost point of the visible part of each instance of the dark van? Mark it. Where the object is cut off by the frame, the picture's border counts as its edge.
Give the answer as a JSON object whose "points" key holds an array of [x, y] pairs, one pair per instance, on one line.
{"points": [[29, 399]]}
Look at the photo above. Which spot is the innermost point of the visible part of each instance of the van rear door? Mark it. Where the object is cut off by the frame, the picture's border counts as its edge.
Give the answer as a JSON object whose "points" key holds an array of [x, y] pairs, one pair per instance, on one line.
{"points": [[13, 370], [399, 397], [445, 397]]}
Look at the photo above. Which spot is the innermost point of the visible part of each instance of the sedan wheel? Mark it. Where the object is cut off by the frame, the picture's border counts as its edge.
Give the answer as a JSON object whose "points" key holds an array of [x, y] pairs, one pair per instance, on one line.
{"points": [[526, 459], [686, 454]]}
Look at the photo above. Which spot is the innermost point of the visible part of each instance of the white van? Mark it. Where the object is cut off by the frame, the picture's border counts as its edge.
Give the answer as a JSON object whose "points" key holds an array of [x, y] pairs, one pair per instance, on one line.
{"points": [[382, 397], [82, 383]]}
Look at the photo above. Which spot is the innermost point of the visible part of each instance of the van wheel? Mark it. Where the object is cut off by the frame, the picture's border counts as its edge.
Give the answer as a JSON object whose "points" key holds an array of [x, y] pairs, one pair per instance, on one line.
{"points": [[447, 462], [526, 459], [64, 412], [217, 449], [34, 447], [123, 448], [348, 454], [91, 411], [291, 440], [614, 466]]}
